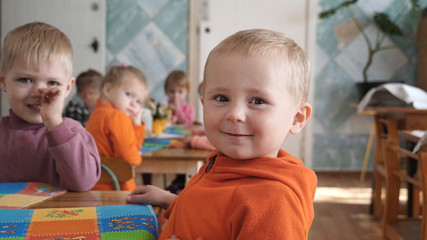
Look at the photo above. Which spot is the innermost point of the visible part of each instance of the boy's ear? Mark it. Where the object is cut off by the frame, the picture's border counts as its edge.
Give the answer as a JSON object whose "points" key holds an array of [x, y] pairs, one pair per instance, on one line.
{"points": [[2, 81], [300, 118], [70, 86]]}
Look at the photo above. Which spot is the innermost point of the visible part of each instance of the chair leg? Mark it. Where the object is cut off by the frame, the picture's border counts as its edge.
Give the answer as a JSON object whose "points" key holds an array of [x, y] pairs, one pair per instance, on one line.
{"points": [[377, 200], [391, 205], [415, 204]]}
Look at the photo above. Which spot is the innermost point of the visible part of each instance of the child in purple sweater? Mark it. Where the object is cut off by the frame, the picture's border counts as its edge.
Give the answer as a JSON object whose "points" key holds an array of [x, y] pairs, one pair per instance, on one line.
{"points": [[37, 143]]}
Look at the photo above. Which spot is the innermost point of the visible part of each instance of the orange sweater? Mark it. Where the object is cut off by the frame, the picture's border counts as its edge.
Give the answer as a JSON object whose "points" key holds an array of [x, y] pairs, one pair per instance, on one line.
{"points": [[263, 198], [115, 136]]}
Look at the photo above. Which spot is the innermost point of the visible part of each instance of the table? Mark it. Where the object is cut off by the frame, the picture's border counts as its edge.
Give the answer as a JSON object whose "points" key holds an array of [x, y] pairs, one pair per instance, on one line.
{"points": [[84, 199], [406, 118], [173, 160]]}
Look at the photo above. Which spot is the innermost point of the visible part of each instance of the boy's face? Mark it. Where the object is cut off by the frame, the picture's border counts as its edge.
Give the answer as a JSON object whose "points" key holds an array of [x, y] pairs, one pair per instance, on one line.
{"points": [[22, 84], [248, 110], [91, 96], [176, 94], [127, 96]]}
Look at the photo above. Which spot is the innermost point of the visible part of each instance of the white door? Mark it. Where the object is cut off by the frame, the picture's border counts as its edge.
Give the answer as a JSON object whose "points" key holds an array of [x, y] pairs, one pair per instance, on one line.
{"points": [[83, 21], [221, 18]]}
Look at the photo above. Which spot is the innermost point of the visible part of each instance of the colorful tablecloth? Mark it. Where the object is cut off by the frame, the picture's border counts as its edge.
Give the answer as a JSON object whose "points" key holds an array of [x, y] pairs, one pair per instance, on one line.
{"points": [[100, 223]]}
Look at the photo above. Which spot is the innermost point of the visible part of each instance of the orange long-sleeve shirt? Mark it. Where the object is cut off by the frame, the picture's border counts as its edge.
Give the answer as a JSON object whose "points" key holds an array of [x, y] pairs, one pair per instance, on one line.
{"points": [[263, 198], [116, 136]]}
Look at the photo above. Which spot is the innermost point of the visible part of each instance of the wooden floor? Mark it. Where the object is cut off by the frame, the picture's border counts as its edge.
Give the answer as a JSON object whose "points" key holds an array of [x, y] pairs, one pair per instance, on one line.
{"points": [[341, 209]]}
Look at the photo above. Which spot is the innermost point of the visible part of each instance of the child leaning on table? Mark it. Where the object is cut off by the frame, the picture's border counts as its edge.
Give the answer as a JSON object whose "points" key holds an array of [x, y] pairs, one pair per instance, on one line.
{"points": [[255, 89], [177, 87], [88, 85], [37, 143], [116, 123]]}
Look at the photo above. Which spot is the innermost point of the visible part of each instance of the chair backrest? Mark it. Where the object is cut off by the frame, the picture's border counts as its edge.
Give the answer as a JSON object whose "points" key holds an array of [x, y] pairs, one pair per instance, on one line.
{"points": [[394, 176], [115, 171]]}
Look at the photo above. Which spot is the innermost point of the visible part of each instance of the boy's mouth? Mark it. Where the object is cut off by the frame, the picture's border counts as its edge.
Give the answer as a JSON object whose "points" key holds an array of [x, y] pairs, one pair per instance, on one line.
{"points": [[34, 107], [236, 134]]}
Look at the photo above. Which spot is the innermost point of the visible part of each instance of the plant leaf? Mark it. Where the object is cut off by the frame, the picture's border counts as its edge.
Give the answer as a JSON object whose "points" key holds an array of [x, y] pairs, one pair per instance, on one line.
{"points": [[415, 6], [330, 12], [326, 14], [415, 14], [382, 20]]}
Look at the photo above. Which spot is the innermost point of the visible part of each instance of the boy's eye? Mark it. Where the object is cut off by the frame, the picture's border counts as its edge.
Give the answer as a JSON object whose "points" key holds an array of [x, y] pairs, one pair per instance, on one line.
{"points": [[128, 94], [24, 80], [221, 98], [257, 101], [52, 83]]}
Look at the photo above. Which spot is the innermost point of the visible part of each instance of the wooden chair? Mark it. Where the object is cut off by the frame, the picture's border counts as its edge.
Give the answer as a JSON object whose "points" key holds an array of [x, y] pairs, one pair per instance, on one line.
{"points": [[396, 225], [386, 130], [388, 122], [115, 171]]}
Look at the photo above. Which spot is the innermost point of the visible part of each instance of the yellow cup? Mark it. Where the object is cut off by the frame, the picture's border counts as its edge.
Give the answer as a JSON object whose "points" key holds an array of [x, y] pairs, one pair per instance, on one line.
{"points": [[159, 125]]}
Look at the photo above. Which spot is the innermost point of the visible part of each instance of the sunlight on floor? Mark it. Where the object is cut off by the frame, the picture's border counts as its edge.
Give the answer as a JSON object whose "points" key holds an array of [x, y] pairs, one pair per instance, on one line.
{"points": [[351, 195], [343, 195]]}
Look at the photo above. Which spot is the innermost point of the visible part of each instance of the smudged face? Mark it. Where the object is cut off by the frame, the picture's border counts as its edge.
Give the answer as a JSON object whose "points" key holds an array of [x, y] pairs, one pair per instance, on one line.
{"points": [[22, 81]]}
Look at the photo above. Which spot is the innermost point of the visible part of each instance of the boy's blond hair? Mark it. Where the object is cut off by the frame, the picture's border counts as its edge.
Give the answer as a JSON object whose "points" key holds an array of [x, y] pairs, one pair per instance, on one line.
{"points": [[262, 42], [38, 43], [116, 74], [88, 79], [177, 77]]}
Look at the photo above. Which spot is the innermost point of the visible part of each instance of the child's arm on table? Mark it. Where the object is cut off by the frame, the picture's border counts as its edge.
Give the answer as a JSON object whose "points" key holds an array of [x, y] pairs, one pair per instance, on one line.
{"points": [[152, 195]]}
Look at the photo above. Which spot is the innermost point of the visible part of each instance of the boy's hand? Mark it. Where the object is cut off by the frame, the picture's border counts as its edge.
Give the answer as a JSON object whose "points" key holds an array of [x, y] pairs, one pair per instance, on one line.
{"points": [[52, 104], [151, 195]]}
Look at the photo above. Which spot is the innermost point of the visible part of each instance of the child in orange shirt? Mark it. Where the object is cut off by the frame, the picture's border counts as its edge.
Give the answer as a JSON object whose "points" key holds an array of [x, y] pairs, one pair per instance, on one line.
{"points": [[116, 123], [254, 94]]}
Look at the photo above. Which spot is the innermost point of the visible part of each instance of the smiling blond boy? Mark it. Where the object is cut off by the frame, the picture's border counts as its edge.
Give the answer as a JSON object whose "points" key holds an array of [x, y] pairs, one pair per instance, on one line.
{"points": [[254, 94]]}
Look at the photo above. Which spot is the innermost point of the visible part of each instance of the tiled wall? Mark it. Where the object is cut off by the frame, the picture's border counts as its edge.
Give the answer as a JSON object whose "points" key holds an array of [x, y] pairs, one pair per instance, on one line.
{"points": [[151, 35], [340, 134]]}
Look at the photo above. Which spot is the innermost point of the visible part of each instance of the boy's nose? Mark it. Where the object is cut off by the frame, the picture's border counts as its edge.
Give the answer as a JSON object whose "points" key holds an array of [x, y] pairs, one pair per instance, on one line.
{"points": [[236, 113], [35, 91]]}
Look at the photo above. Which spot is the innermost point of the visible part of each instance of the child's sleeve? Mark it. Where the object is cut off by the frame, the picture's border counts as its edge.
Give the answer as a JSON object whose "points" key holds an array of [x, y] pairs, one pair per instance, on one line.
{"points": [[77, 160]]}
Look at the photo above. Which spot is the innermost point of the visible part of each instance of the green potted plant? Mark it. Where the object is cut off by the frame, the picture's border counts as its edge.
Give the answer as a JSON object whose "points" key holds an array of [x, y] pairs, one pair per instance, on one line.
{"points": [[386, 27]]}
